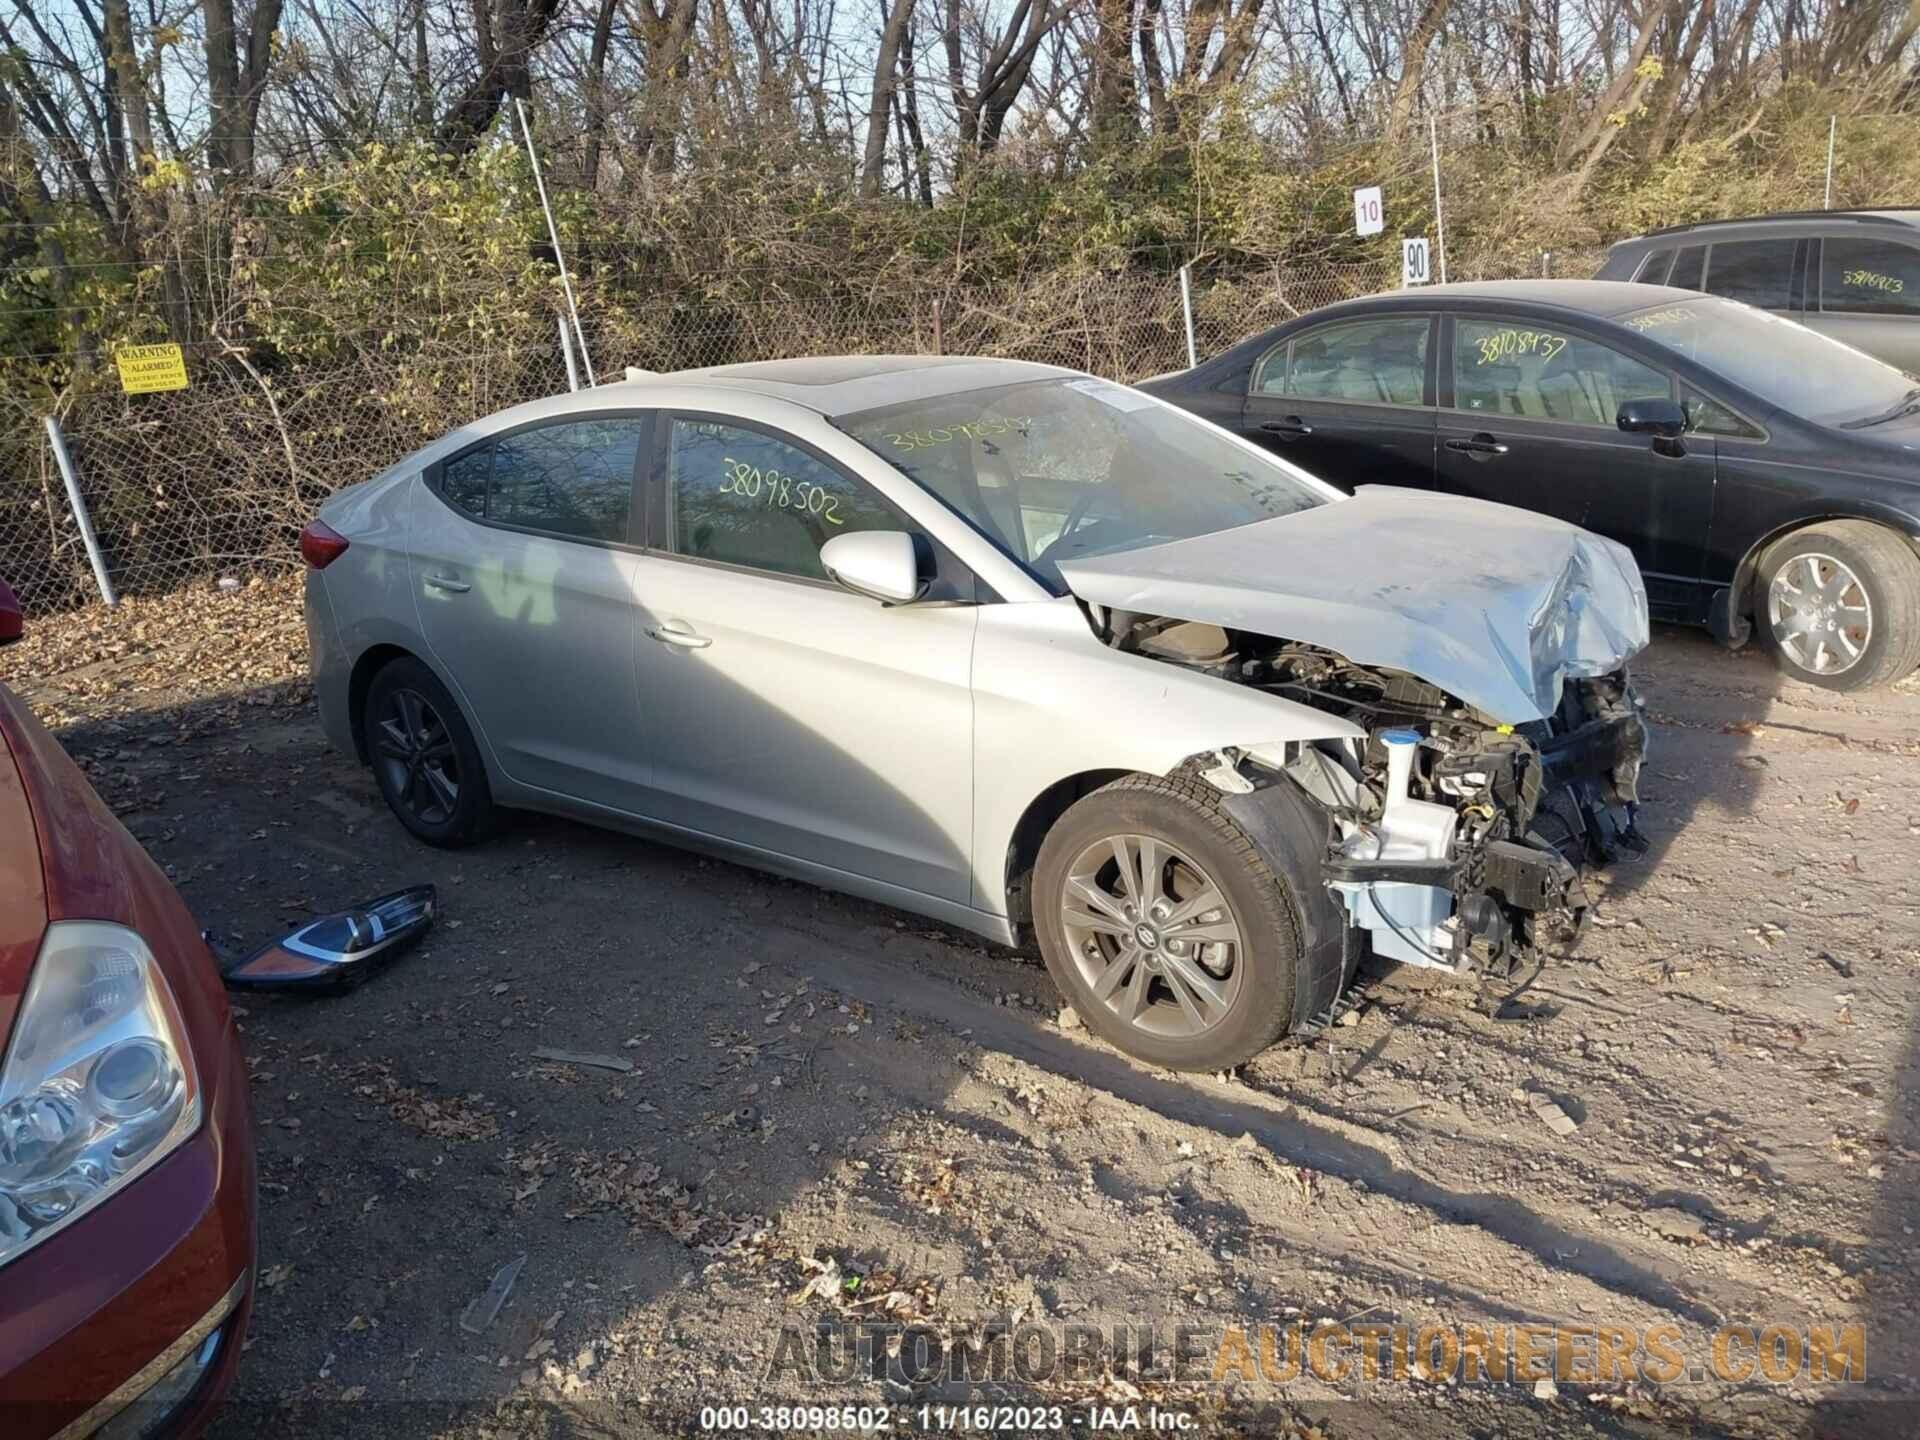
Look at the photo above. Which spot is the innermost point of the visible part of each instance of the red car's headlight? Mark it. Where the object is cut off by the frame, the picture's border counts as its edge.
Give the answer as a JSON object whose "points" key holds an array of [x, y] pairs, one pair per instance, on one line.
{"points": [[97, 1085]]}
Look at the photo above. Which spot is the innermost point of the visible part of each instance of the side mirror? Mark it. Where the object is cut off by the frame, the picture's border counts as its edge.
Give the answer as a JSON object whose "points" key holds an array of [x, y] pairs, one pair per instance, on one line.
{"points": [[880, 564], [1661, 418], [12, 623]]}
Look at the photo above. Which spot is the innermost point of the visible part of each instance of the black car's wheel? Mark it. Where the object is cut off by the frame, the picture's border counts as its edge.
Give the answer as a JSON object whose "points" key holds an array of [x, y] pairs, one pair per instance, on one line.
{"points": [[424, 756], [1165, 927], [1839, 605]]}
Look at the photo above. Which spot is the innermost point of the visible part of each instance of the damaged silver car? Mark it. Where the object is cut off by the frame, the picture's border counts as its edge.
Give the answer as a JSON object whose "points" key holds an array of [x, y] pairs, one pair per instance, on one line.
{"points": [[1013, 647]]}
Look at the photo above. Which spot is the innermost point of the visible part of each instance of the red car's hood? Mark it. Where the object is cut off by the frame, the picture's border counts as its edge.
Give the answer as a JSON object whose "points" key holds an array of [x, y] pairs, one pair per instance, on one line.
{"points": [[23, 894]]}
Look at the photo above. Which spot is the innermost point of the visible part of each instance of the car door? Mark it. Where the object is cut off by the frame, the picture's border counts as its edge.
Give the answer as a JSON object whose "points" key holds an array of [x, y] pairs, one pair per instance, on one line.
{"points": [[1869, 297], [785, 713], [521, 552], [1350, 400], [1528, 407]]}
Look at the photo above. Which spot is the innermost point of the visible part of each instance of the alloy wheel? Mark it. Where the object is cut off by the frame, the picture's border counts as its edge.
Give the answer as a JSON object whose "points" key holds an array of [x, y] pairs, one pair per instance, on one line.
{"points": [[416, 754], [1822, 619], [1152, 935]]}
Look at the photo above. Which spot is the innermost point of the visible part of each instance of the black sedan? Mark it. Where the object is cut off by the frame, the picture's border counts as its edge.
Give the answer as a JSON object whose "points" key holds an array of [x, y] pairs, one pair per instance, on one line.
{"points": [[1765, 477]]}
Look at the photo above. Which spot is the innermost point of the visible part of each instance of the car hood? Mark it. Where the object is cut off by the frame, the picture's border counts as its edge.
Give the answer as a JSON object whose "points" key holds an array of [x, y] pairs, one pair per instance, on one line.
{"points": [[1497, 606]]}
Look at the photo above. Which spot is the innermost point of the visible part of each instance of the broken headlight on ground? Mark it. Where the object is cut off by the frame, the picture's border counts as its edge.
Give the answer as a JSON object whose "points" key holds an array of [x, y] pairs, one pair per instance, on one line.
{"points": [[1456, 840]]}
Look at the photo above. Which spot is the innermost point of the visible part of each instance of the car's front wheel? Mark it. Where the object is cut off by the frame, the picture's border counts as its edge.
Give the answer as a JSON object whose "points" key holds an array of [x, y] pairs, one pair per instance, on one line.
{"points": [[424, 756], [1164, 926], [1839, 605]]}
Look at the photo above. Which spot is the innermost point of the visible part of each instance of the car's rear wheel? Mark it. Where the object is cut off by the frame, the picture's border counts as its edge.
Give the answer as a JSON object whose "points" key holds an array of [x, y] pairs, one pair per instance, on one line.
{"points": [[1839, 605], [424, 756], [1164, 926]]}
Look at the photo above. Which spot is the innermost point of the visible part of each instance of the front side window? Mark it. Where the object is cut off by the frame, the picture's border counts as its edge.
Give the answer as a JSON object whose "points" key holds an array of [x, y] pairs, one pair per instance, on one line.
{"points": [[1870, 277], [1707, 416], [1536, 370], [1058, 469], [573, 479], [1368, 362], [1754, 272], [741, 496]]}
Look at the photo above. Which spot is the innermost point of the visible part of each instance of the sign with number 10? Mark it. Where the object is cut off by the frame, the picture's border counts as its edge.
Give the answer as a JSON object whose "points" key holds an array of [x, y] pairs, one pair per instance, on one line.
{"points": [[1369, 215]]}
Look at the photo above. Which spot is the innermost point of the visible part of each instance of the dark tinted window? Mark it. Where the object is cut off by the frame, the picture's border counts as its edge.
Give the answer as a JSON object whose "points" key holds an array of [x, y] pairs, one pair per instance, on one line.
{"points": [[1688, 267], [1653, 270], [1525, 368], [573, 479], [1754, 272], [743, 497], [1873, 277], [1377, 362], [464, 480]]}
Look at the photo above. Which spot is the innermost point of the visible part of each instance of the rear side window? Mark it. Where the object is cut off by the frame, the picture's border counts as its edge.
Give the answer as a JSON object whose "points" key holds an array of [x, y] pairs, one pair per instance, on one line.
{"points": [[1755, 272], [743, 497], [1371, 362], [1523, 368], [1869, 277], [1688, 268], [1653, 270], [573, 479]]}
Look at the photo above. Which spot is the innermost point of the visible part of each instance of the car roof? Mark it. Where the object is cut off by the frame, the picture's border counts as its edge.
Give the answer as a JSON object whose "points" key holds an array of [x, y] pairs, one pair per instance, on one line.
{"points": [[1844, 217], [1589, 297], [844, 384]]}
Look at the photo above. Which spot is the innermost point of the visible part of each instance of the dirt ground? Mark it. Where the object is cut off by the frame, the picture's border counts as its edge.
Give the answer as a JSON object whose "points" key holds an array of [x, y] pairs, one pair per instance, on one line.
{"points": [[836, 1110]]}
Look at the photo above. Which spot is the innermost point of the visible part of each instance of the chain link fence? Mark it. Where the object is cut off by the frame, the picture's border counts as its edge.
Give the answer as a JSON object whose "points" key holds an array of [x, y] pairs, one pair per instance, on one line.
{"points": [[218, 479]]}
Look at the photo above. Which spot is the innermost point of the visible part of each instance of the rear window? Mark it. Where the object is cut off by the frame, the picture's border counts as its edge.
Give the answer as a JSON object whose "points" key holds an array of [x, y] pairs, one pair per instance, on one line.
{"points": [[1754, 272]]}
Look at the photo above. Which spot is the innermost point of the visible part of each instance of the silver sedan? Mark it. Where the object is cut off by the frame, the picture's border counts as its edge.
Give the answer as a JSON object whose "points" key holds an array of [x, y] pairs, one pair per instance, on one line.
{"points": [[1013, 647]]}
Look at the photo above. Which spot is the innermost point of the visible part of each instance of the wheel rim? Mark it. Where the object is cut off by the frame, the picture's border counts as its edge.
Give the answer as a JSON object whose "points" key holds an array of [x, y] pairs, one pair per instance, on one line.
{"points": [[416, 755], [1152, 936], [1822, 619]]}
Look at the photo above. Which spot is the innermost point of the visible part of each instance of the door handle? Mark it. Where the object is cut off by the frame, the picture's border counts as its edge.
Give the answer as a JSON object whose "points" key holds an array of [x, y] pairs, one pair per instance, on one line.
{"points": [[447, 583], [1482, 445], [675, 632], [1292, 425]]}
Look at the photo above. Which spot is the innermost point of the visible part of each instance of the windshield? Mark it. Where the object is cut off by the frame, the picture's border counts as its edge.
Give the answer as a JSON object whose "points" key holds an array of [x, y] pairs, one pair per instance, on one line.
{"points": [[1804, 373], [1056, 469]]}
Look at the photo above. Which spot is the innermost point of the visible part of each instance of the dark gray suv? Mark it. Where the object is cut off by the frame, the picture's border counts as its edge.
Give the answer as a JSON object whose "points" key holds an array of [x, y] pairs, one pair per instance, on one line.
{"points": [[1851, 274]]}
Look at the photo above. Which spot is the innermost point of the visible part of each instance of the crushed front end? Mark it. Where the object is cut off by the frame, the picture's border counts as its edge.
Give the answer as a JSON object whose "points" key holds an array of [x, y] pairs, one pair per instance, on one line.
{"points": [[1454, 841]]}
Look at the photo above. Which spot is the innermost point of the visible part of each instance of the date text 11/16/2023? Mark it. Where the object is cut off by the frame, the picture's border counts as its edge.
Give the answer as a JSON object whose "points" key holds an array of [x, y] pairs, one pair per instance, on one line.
{"points": [[948, 1419]]}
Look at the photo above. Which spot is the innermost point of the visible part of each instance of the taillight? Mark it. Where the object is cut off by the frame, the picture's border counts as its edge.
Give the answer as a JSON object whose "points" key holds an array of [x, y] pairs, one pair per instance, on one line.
{"points": [[321, 544]]}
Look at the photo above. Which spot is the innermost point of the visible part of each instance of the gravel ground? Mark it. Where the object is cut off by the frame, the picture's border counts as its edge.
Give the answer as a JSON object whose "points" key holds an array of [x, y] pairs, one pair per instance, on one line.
{"points": [[836, 1110]]}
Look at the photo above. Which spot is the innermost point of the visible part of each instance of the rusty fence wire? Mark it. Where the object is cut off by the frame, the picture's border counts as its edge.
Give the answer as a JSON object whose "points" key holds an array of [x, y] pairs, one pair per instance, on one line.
{"points": [[216, 480]]}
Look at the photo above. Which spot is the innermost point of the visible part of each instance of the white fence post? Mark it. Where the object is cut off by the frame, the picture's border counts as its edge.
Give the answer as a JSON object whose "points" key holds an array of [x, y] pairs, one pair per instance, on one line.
{"points": [[566, 351], [553, 234], [1439, 220], [1833, 124], [1186, 306], [80, 516]]}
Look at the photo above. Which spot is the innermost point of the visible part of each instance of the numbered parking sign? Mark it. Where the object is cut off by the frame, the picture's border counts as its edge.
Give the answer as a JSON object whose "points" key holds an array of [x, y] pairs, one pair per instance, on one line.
{"points": [[1416, 264], [1369, 215]]}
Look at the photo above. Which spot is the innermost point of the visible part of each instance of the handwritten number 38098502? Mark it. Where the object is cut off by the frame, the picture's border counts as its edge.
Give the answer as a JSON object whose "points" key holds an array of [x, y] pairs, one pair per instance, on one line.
{"points": [[777, 490]]}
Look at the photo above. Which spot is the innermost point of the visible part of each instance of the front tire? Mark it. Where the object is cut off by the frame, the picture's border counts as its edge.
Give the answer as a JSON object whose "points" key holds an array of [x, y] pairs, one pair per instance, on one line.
{"points": [[1838, 604], [1164, 926], [425, 758]]}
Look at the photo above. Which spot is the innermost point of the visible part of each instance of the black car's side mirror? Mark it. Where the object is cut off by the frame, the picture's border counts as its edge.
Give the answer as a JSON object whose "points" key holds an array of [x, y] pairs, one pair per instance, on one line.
{"points": [[1662, 418]]}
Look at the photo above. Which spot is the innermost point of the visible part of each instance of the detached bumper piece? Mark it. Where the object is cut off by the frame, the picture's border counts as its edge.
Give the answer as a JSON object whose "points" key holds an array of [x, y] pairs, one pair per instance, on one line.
{"points": [[338, 950]]}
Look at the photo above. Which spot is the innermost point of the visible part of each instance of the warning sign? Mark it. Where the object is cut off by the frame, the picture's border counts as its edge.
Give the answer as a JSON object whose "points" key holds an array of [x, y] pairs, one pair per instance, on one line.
{"points": [[147, 368]]}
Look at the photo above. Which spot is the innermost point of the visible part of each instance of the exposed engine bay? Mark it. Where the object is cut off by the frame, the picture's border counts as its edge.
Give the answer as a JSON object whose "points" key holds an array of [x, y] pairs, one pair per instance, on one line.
{"points": [[1455, 841]]}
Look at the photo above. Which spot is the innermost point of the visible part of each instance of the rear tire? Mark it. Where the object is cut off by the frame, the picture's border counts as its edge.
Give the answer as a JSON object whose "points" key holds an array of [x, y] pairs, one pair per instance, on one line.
{"points": [[1838, 604], [1145, 960], [424, 756]]}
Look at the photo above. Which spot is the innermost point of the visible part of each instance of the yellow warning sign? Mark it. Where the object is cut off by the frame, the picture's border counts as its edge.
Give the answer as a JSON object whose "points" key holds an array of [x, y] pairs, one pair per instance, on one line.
{"points": [[147, 368]]}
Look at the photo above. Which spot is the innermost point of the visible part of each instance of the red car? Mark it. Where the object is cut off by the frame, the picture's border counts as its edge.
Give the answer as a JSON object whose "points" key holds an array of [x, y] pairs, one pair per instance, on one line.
{"points": [[126, 1140]]}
